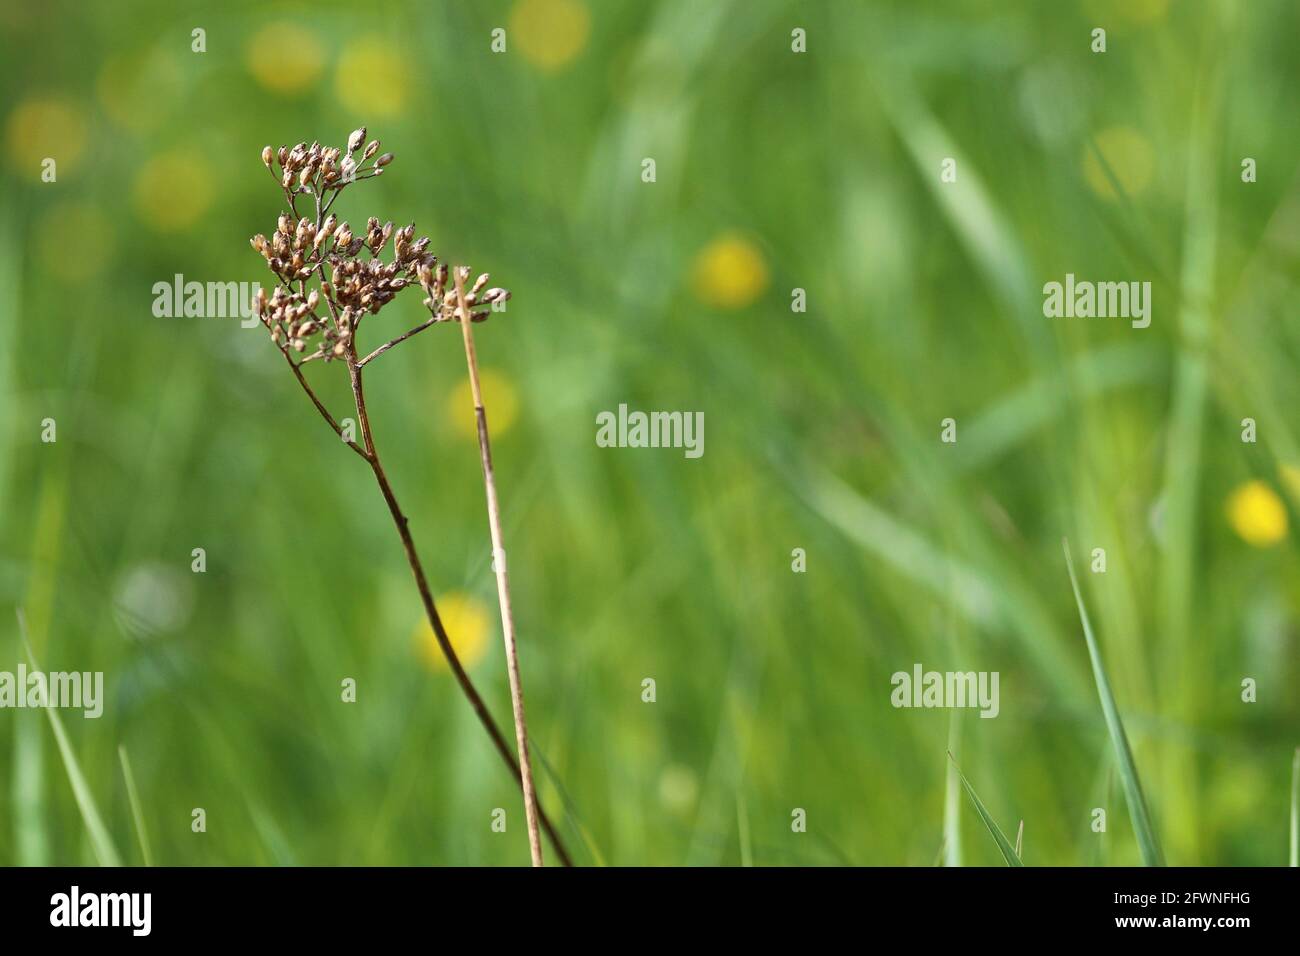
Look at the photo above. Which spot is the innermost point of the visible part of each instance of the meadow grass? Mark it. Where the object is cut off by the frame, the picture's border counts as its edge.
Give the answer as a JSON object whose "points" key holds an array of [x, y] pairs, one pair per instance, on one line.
{"points": [[823, 428]]}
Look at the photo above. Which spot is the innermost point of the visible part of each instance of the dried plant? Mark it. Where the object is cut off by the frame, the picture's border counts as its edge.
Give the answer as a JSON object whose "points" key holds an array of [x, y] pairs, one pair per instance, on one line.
{"points": [[312, 315]]}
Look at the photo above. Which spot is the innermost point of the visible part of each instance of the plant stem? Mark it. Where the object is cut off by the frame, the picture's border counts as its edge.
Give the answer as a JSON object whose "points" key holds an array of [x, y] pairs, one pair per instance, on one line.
{"points": [[426, 596], [397, 341], [503, 579]]}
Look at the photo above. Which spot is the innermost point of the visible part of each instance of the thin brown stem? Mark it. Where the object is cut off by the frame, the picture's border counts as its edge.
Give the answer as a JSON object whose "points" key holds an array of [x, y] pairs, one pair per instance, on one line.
{"points": [[503, 580], [320, 407], [431, 610], [397, 341]]}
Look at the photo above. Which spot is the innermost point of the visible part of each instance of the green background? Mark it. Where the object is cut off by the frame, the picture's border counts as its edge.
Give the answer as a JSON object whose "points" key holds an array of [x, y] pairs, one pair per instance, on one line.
{"points": [[822, 428]]}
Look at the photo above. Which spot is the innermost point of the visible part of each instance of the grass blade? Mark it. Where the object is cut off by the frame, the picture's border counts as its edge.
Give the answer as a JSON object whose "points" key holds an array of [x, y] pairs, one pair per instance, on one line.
{"points": [[952, 854], [1128, 775], [102, 843], [137, 813], [1008, 851], [1295, 808], [26, 793], [1020, 839]]}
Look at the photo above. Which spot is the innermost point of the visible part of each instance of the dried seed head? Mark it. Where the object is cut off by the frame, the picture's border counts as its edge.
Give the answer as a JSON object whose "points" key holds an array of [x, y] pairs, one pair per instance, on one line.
{"points": [[298, 248]]}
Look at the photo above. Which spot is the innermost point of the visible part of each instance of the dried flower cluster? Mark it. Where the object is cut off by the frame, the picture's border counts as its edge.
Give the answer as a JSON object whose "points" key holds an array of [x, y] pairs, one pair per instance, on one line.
{"points": [[321, 261], [359, 280]]}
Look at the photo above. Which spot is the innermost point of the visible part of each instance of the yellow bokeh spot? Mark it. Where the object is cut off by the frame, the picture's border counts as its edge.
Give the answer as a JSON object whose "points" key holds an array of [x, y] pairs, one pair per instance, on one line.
{"points": [[1144, 11], [549, 33], [285, 58], [74, 240], [1257, 514], [730, 273], [135, 89], [373, 77], [499, 401], [44, 127], [173, 190], [1129, 159], [468, 624]]}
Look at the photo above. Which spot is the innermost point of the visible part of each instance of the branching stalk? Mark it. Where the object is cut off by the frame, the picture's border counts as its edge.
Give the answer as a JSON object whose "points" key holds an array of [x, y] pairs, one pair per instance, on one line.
{"points": [[297, 252]]}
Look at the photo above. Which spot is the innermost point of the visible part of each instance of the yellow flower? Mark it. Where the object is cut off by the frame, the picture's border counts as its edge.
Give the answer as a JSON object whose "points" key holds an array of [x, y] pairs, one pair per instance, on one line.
{"points": [[730, 272], [499, 400], [284, 57], [1128, 157], [1257, 514], [549, 33], [373, 77], [468, 625], [46, 127], [74, 240], [173, 190]]}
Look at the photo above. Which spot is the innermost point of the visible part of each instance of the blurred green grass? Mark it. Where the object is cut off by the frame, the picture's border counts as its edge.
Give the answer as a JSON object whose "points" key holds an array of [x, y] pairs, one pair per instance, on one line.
{"points": [[821, 428]]}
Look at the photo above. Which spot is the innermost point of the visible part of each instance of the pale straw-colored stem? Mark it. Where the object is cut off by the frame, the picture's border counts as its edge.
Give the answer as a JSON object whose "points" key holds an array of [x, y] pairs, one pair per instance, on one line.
{"points": [[503, 579]]}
